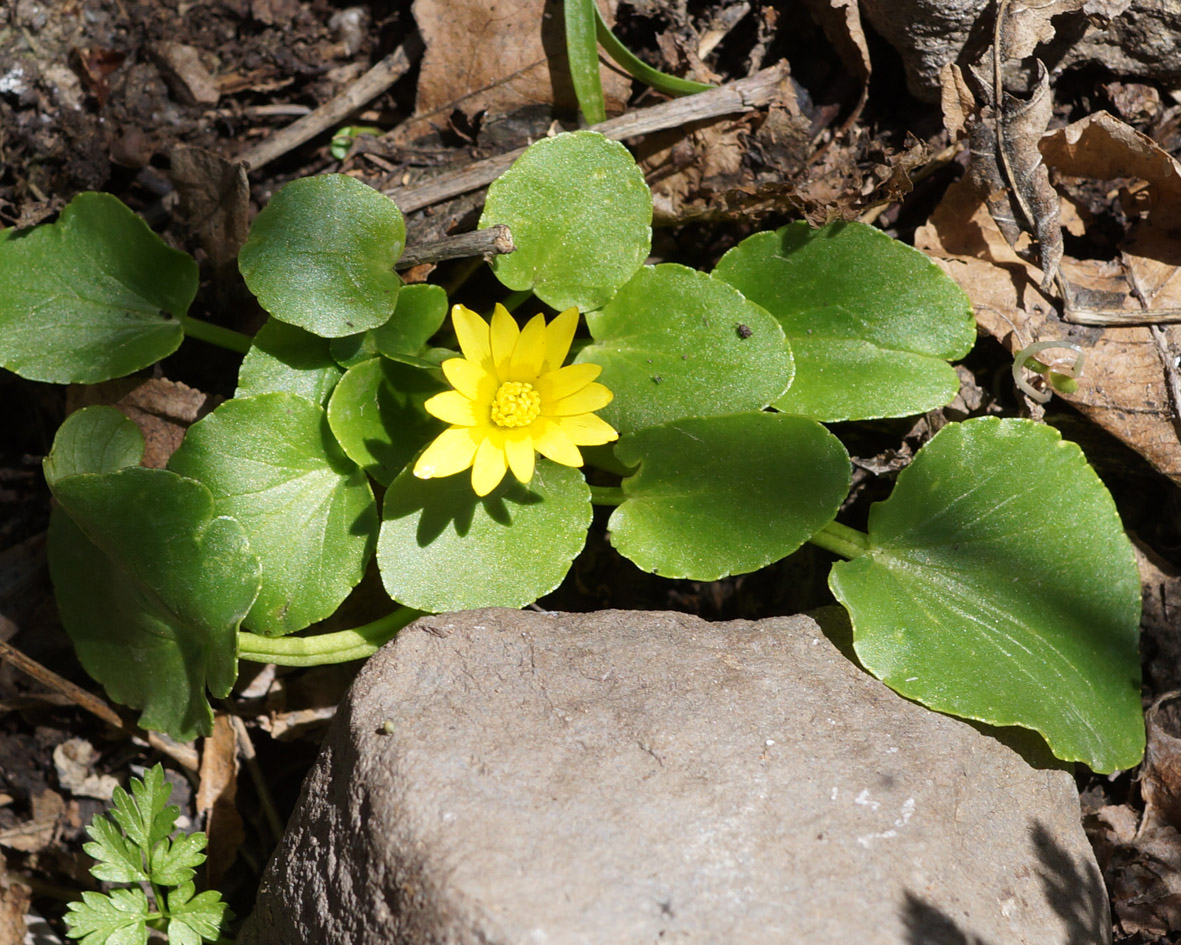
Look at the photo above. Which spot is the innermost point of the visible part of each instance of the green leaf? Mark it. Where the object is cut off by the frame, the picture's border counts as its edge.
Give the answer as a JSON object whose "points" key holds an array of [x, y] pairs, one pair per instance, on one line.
{"points": [[441, 548], [117, 919], [174, 862], [583, 53], [726, 495], [376, 415], [677, 343], [192, 919], [872, 322], [93, 440], [284, 357], [145, 814], [92, 296], [151, 588], [272, 463], [118, 860], [999, 586], [581, 217], [420, 313], [637, 68], [321, 255]]}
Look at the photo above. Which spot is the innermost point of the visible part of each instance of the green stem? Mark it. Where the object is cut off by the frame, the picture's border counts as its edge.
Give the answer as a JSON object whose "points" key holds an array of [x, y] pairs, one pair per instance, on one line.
{"points": [[215, 334], [636, 67], [514, 300], [323, 648], [606, 495], [841, 540]]}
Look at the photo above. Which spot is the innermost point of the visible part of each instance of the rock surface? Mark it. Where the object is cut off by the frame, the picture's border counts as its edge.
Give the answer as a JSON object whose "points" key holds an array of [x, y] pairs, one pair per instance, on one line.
{"points": [[551, 779]]}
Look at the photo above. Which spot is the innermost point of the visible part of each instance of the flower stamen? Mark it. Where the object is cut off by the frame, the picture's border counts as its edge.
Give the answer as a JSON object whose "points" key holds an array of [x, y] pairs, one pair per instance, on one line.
{"points": [[516, 404]]}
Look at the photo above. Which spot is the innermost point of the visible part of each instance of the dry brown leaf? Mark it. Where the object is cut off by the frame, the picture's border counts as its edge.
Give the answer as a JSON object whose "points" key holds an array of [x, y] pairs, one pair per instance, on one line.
{"points": [[73, 761], [841, 22], [14, 904], [214, 201], [1123, 388], [1160, 773], [162, 409], [499, 55], [38, 832], [216, 793]]}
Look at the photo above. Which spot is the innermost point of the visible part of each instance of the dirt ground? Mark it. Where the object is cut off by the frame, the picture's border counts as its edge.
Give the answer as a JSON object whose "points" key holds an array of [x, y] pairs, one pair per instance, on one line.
{"points": [[155, 101]]}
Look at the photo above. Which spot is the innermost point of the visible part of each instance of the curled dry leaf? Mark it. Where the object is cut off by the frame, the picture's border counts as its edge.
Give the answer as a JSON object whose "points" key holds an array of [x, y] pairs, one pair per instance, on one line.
{"points": [[1160, 774], [841, 22], [216, 795], [1126, 389]]}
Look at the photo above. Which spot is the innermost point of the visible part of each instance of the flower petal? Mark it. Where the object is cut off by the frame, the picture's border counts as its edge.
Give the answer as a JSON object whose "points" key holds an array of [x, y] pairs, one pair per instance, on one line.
{"points": [[588, 430], [488, 468], [470, 379], [591, 397], [529, 352], [453, 407], [504, 335], [452, 451], [552, 442], [472, 332], [518, 450], [554, 385], [558, 335]]}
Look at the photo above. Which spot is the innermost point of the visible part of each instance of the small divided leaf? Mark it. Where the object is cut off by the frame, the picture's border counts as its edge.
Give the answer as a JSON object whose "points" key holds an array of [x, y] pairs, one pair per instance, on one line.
{"points": [[117, 919], [193, 918], [94, 296], [118, 859], [173, 862], [321, 255], [145, 815]]}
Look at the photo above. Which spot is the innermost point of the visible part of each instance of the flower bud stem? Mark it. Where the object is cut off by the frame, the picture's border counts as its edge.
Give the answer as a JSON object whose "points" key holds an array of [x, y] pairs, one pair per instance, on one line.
{"points": [[322, 648], [841, 540]]}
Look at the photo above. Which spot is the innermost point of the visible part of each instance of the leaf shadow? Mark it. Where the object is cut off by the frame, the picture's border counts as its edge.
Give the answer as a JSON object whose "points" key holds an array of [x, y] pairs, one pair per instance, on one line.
{"points": [[1074, 890], [449, 502]]}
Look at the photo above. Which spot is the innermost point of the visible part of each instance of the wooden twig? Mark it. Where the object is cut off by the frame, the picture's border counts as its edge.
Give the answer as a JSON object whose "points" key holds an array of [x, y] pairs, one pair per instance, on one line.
{"points": [[48, 678], [744, 95], [365, 89], [494, 241]]}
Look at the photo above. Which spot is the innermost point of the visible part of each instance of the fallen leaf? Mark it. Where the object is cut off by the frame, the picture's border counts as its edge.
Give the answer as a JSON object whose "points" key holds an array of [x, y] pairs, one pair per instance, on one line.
{"points": [[1160, 773], [216, 793], [73, 760], [841, 22], [162, 409], [38, 832], [498, 56]]}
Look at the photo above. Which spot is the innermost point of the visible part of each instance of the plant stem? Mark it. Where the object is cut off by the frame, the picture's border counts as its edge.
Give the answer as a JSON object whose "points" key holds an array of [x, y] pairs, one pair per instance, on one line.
{"points": [[841, 540], [323, 648], [215, 334], [606, 495]]}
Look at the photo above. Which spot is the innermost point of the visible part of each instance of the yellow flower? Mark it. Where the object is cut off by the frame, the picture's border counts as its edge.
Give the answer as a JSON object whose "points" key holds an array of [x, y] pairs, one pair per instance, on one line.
{"points": [[512, 398]]}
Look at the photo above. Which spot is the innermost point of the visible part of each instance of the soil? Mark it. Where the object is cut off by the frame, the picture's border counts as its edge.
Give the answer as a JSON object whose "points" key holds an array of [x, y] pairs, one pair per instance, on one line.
{"points": [[103, 94]]}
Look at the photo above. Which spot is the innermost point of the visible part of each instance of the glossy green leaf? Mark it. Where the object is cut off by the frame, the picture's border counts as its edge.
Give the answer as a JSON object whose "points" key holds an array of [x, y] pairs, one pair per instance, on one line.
{"points": [[151, 585], [717, 496], [93, 440], [582, 51], [442, 548], [321, 255], [272, 463], [1000, 586], [376, 415], [677, 343], [420, 313], [872, 322], [287, 358], [95, 295], [581, 216]]}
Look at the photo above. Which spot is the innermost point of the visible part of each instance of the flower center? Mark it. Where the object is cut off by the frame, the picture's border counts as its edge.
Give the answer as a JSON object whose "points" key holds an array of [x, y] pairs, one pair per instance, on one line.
{"points": [[516, 404]]}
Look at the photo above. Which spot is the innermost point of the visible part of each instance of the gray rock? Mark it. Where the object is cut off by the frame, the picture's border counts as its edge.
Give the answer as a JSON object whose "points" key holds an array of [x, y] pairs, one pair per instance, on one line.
{"points": [[560, 779]]}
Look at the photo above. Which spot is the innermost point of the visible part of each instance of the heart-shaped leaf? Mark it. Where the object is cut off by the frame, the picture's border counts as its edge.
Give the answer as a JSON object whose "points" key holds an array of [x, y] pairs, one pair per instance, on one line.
{"points": [[420, 313], [377, 416], [999, 585], [677, 343], [872, 322], [272, 463], [442, 548], [284, 357], [581, 216], [321, 255], [716, 496], [92, 296], [93, 440], [151, 586]]}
